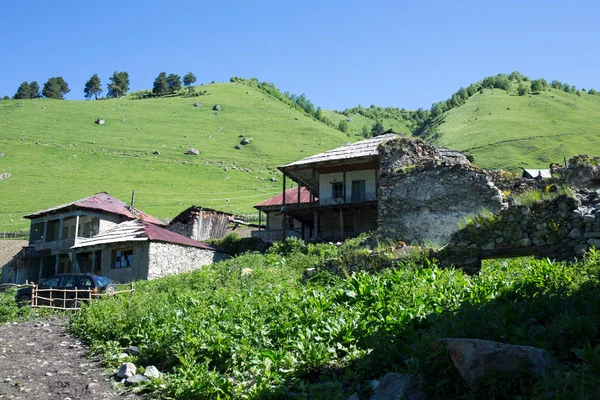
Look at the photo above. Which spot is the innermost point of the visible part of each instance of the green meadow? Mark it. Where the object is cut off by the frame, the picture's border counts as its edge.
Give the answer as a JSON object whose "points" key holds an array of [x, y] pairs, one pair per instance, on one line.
{"points": [[55, 153], [504, 130]]}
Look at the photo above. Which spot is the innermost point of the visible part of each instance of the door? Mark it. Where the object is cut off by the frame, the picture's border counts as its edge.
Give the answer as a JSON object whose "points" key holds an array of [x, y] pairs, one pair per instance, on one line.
{"points": [[358, 191]]}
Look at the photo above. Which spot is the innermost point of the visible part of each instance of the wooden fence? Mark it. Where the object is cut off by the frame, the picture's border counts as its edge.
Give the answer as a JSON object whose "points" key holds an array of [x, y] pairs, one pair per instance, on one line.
{"points": [[67, 299], [14, 234]]}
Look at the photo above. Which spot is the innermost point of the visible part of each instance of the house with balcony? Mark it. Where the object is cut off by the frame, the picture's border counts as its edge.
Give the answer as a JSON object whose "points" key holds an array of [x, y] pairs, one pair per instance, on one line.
{"points": [[54, 231], [335, 195]]}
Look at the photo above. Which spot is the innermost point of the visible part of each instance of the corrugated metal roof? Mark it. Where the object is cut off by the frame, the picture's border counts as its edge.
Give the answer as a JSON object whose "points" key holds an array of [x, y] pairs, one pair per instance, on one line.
{"points": [[291, 197], [139, 231], [534, 173], [195, 209], [102, 202], [363, 148]]}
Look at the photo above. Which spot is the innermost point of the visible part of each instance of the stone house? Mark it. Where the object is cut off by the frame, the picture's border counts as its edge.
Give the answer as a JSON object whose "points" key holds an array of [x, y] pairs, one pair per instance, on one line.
{"points": [[399, 188], [56, 232], [138, 249]]}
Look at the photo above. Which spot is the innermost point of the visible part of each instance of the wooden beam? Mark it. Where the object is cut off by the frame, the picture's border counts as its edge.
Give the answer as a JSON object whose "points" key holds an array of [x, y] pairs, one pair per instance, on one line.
{"points": [[344, 184], [283, 222]]}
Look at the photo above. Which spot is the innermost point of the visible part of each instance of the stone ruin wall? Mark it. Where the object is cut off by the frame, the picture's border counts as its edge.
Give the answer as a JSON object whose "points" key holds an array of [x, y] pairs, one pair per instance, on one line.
{"points": [[562, 228], [426, 191]]}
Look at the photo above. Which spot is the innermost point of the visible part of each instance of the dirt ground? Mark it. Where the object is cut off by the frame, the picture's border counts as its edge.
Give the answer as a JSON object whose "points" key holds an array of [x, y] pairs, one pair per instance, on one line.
{"points": [[40, 360]]}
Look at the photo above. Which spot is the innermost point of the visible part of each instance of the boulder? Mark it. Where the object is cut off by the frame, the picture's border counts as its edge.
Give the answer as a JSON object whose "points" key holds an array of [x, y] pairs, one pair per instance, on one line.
{"points": [[4, 175], [99, 121], [395, 386], [245, 141], [127, 370], [217, 107], [132, 350], [136, 380], [238, 147], [483, 360], [152, 372], [191, 151]]}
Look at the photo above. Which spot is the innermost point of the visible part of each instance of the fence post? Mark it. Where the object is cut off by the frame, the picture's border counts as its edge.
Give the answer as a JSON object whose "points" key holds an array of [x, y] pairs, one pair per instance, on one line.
{"points": [[33, 297]]}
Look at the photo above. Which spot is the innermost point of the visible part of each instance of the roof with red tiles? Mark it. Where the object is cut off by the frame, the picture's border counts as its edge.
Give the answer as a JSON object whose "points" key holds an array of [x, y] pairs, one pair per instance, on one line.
{"points": [[100, 202]]}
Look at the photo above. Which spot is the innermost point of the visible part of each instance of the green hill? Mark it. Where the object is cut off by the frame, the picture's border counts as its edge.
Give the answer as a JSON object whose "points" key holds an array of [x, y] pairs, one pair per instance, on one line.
{"points": [[504, 130], [55, 153]]}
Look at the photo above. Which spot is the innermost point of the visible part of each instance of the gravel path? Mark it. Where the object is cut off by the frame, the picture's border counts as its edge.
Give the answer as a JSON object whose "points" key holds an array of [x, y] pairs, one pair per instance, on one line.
{"points": [[40, 360]]}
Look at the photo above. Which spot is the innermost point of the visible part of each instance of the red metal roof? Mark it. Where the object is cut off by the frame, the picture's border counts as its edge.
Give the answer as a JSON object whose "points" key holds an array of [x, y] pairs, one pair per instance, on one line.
{"points": [[291, 197], [102, 202], [138, 231], [164, 235]]}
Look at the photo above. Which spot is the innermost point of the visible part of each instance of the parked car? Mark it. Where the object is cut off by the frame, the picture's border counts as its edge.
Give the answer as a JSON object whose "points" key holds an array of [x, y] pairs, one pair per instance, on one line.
{"points": [[97, 284]]}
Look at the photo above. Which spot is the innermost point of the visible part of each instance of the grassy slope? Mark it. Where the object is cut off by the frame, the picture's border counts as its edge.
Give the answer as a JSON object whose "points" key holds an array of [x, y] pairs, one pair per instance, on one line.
{"points": [[76, 158], [508, 131], [358, 121]]}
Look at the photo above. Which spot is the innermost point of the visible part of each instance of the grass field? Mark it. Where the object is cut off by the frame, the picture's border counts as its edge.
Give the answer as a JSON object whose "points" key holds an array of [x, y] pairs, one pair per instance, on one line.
{"points": [[55, 153], [508, 131]]}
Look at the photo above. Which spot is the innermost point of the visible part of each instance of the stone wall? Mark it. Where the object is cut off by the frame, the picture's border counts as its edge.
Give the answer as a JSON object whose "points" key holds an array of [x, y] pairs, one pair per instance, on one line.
{"points": [[169, 259], [562, 228], [426, 191]]}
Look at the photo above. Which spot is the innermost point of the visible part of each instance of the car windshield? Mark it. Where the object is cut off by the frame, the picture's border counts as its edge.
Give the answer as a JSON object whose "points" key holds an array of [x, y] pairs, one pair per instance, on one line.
{"points": [[51, 282], [103, 281]]}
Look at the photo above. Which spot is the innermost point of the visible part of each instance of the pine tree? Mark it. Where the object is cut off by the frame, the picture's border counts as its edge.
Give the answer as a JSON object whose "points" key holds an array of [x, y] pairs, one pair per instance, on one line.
{"points": [[34, 90], [188, 79], [23, 92], [174, 82], [92, 87], [55, 88], [377, 129], [161, 84], [119, 84]]}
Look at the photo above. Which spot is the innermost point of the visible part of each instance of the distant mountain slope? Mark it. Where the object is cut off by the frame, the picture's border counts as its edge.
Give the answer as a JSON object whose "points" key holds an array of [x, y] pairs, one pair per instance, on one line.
{"points": [[54, 152], [504, 130]]}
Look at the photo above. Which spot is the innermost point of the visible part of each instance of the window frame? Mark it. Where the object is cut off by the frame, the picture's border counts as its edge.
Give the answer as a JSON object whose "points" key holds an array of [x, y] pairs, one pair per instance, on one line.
{"points": [[124, 256], [337, 190]]}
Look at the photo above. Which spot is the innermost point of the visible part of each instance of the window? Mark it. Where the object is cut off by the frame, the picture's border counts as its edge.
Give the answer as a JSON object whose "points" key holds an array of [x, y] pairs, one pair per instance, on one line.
{"points": [[337, 190], [123, 258], [51, 283], [86, 282], [69, 282], [358, 190]]}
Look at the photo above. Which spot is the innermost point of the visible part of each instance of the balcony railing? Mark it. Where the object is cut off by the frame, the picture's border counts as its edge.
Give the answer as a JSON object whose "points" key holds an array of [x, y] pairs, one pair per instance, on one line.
{"points": [[63, 244], [350, 199]]}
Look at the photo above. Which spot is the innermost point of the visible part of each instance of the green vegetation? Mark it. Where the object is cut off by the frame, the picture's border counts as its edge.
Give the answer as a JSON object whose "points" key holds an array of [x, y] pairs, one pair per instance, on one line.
{"points": [[253, 327], [10, 312], [503, 129], [534, 196], [55, 153]]}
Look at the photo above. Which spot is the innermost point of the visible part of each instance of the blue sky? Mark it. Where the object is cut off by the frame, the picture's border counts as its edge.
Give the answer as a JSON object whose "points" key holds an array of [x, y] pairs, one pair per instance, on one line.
{"points": [[339, 53]]}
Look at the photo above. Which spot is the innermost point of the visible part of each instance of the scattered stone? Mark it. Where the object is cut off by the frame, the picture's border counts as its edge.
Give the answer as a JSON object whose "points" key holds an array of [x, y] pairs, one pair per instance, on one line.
{"points": [[198, 104], [136, 380], [484, 360], [245, 141], [217, 107], [273, 179], [99, 121], [238, 147], [1, 154], [191, 151], [132, 350], [156, 152], [37, 142], [395, 386], [152, 372], [122, 356], [4, 175], [349, 120], [127, 370], [74, 156], [92, 387]]}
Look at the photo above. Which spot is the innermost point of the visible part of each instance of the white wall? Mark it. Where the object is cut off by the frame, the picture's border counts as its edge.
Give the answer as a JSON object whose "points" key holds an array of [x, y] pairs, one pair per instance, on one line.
{"points": [[368, 175]]}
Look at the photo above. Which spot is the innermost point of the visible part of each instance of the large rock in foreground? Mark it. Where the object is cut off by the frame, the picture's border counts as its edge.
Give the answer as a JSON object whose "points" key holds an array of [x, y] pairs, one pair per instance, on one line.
{"points": [[478, 360]]}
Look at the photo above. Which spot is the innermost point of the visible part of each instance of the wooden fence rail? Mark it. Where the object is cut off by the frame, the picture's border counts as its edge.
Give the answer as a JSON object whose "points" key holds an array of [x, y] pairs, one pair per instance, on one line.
{"points": [[67, 299]]}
